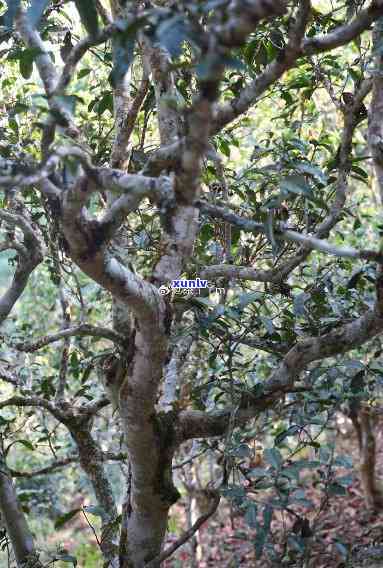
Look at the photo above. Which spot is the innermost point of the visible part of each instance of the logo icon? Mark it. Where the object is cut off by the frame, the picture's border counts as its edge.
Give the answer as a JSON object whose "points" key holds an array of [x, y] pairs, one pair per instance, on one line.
{"points": [[164, 290]]}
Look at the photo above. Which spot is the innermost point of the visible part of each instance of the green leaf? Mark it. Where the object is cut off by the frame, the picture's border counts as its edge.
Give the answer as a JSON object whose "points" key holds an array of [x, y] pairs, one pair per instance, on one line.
{"points": [[224, 146], [5, 421], [65, 518], [343, 549], [345, 480], [26, 64], [360, 171], [273, 457], [343, 461], [35, 11], [296, 543], [27, 444], [94, 510], [88, 14], [20, 108], [106, 103], [267, 322], [212, 4], [260, 540], [251, 516], [206, 233], [337, 489], [312, 170], [235, 492], [267, 516], [296, 184], [294, 429], [257, 472], [74, 362], [242, 451], [83, 73], [299, 304], [67, 558], [248, 298]]}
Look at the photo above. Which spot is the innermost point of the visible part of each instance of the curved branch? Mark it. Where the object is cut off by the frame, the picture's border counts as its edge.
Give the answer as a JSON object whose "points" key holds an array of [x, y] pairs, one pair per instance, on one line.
{"points": [[47, 72], [27, 261], [285, 61], [81, 330], [34, 402], [197, 424], [77, 53], [44, 470], [346, 33]]}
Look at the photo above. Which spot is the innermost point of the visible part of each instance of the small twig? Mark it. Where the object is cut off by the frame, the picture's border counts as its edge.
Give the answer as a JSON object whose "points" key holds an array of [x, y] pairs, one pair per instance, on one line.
{"points": [[91, 527], [60, 391]]}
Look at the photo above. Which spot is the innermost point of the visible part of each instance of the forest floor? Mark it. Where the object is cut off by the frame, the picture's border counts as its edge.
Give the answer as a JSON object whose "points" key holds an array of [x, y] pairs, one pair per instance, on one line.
{"points": [[344, 529], [345, 533]]}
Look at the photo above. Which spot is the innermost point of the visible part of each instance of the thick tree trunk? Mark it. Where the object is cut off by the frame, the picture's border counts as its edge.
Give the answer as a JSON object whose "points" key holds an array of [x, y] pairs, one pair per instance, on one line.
{"points": [[372, 492], [150, 441], [15, 521], [144, 534]]}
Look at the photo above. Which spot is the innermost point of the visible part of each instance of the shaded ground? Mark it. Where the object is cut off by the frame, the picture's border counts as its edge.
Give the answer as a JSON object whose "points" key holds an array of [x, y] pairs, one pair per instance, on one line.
{"points": [[346, 533]]}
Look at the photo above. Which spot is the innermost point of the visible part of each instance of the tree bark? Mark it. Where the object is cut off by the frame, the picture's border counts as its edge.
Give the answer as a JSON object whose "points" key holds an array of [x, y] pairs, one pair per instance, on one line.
{"points": [[15, 521], [372, 493]]}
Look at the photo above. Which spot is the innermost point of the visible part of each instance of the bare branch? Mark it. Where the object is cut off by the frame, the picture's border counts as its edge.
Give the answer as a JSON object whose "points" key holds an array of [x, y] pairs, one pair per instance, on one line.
{"points": [[196, 424], [37, 402], [308, 241], [30, 255], [179, 353], [47, 71], [346, 33], [232, 271], [295, 49], [120, 153], [65, 307], [58, 464], [81, 330]]}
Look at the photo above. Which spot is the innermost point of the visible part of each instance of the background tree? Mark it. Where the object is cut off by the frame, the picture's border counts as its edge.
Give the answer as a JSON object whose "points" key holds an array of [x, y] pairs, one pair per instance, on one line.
{"points": [[146, 142]]}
